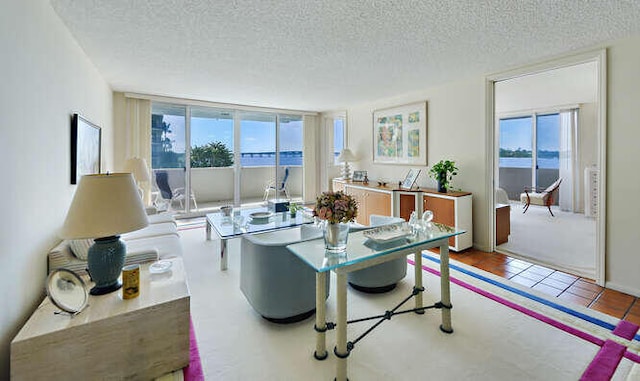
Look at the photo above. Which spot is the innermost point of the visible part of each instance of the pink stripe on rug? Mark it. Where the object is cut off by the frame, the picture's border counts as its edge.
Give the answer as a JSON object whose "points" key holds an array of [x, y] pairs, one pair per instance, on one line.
{"points": [[193, 372], [583, 335], [632, 356], [605, 363], [626, 329]]}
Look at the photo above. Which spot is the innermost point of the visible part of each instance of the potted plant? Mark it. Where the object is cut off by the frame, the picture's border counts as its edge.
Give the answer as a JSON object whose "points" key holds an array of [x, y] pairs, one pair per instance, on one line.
{"points": [[443, 172], [294, 207]]}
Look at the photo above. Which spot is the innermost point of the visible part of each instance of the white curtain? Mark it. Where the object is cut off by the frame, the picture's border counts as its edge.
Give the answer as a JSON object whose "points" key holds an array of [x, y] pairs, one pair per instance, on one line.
{"points": [[310, 157], [569, 188], [134, 118]]}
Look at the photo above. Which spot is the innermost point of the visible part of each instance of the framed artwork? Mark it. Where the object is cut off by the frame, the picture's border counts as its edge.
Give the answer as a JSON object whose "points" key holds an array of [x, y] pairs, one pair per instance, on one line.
{"points": [[85, 148], [410, 179], [400, 135], [359, 176]]}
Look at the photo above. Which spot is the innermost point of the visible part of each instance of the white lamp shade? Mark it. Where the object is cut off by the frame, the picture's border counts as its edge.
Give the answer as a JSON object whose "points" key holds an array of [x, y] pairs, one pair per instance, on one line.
{"points": [[104, 205], [346, 155], [138, 167]]}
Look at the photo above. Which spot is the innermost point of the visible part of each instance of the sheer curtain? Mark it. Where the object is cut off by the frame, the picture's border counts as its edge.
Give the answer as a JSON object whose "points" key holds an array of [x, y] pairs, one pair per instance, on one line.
{"points": [[568, 194], [137, 132]]}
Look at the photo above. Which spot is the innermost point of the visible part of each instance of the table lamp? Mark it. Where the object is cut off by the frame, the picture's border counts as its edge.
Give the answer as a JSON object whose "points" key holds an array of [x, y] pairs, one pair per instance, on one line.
{"points": [[103, 207], [139, 169], [345, 157]]}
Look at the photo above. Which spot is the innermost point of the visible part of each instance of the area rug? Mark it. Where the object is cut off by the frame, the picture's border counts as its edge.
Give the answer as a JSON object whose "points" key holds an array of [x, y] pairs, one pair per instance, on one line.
{"points": [[616, 339], [492, 340]]}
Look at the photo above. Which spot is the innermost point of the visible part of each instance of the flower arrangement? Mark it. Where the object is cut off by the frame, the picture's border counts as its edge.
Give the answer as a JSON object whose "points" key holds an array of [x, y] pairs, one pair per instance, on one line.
{"points": [[335, 207]]}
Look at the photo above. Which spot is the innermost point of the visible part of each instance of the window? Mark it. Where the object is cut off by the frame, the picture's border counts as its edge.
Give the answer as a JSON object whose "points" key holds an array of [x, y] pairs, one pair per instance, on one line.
{"points": [[211, 138], [168, 136], [224, 155], [339, 132]]}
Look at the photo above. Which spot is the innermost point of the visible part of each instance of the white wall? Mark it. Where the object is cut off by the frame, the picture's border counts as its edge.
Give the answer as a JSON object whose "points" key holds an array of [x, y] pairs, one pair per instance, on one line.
{"points": [[623, 178], [46, 77], [455, 131], [565, 86]]}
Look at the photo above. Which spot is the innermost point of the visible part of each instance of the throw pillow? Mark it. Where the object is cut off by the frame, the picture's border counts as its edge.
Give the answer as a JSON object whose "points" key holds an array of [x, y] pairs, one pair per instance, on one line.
{"points": [[80, 247]]}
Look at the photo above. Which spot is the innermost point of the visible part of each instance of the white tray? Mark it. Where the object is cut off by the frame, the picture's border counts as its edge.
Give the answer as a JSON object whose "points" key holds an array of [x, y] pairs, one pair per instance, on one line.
{"points": [[386, 233]]}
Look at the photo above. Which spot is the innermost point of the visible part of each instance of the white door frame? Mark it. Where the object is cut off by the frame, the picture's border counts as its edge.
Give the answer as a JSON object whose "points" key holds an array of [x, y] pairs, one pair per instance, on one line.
{"points": [[598, 56]]}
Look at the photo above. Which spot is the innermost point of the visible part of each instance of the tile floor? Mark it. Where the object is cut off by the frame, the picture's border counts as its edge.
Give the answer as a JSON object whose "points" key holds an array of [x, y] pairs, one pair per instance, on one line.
{"points": [[564, 286]]}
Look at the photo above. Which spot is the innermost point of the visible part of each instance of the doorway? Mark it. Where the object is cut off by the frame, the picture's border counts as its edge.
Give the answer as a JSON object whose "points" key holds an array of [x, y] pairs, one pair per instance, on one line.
{"points": [[548, 122]]}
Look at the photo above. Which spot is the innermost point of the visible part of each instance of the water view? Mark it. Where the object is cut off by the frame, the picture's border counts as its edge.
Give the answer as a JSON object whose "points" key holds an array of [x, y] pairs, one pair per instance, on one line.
{"points": [[525, 162]]}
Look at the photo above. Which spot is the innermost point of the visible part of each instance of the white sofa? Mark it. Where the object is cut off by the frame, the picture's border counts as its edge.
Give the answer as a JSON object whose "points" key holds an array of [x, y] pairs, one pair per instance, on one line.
{"points": [[159, 240]]}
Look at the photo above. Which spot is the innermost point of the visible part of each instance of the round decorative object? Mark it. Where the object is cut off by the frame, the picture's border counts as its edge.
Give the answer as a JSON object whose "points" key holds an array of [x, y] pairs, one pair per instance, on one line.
{"points": [[160, 267], [259, 218], [335, 237], [67, 291]]}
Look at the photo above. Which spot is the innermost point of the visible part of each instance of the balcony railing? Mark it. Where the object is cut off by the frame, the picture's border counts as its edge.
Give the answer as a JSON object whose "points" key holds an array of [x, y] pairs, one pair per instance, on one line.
{"points": [[213, 187]]}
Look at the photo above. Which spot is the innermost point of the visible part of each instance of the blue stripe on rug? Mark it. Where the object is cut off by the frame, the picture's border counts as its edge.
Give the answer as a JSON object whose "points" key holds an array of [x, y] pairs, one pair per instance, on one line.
{"points": [[536, 298]]}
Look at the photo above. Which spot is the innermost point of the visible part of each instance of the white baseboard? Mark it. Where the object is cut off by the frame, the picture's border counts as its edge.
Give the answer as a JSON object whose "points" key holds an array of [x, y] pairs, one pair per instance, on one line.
{"points": [[627, 290]]}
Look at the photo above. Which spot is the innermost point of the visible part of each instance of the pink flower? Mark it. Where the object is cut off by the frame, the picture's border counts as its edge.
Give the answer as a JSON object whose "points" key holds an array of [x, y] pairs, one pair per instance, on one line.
{"points": [[336, 207]]}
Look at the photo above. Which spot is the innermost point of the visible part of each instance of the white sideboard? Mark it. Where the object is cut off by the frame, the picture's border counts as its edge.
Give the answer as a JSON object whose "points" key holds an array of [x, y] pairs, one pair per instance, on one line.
{"points": [[453, 208]]}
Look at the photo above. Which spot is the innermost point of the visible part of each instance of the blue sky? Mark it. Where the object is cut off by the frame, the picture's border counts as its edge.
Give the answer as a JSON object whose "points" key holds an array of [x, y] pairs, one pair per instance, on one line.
{"points": [[255, 136], [516, 133]]}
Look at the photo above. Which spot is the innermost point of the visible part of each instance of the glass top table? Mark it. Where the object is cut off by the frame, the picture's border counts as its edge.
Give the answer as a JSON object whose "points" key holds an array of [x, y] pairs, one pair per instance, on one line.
{"points": [[362, 253], [248, 221], [360, 248]]}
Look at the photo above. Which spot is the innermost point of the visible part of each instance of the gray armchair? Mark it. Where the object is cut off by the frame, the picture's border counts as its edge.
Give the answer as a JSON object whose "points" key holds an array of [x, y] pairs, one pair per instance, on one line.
{"points": [[383, 277], [277, 284]]}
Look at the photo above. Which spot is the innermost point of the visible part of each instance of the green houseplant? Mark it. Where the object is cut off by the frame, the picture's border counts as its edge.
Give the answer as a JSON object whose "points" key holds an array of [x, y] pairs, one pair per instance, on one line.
{"points": [[294, 207], [443, 172]]}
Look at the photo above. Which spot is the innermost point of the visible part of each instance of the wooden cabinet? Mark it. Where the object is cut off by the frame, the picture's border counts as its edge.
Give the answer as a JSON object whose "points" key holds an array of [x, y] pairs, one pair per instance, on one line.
{"points": [[503, 223], [338, 185], [451, 208], [370, 199]]}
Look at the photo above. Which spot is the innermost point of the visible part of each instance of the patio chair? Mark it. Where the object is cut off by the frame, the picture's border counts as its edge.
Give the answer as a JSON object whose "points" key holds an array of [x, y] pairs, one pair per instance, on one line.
{"points": [[169, 194], [545, 197], [278, 186]]}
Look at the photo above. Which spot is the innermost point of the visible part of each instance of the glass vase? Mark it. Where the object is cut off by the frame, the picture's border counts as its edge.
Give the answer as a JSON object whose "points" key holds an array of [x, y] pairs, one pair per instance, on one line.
{"points": [[335, 237]]}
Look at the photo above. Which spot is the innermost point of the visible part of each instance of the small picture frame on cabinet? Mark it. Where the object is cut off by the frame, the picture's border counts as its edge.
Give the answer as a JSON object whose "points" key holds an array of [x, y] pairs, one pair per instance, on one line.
{"points": [[359, 176], [410, 179]]}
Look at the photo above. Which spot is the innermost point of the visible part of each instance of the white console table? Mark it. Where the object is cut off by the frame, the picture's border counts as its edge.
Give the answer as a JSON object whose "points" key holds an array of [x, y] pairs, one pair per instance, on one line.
{"points": [[115, 339]]}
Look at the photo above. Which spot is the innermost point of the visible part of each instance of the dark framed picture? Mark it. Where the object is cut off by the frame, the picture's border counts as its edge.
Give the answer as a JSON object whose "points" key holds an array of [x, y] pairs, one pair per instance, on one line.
{"points": [[410, 179], [359, 175], [85, 148]]}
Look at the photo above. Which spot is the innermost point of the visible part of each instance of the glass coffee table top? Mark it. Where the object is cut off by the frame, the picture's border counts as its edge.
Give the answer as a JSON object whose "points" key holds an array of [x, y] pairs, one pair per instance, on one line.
{"points": [[247, 221]]}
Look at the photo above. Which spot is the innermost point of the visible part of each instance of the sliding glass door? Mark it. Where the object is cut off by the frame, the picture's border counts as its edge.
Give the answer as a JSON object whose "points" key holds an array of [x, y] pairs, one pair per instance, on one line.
{"points": [[257, 155], [232, 157], [529, 152], [547, 149], [212, 155], [516, 159], [168, 157]]}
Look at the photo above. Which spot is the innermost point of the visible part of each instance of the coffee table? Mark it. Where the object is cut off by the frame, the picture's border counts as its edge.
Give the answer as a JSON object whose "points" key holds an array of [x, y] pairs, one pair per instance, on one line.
{"points": [[360, 254], [241, 222]]}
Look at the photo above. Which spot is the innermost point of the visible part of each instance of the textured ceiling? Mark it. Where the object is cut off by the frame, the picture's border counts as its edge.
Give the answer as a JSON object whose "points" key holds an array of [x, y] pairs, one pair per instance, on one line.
{"points": [[329, 54]]}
